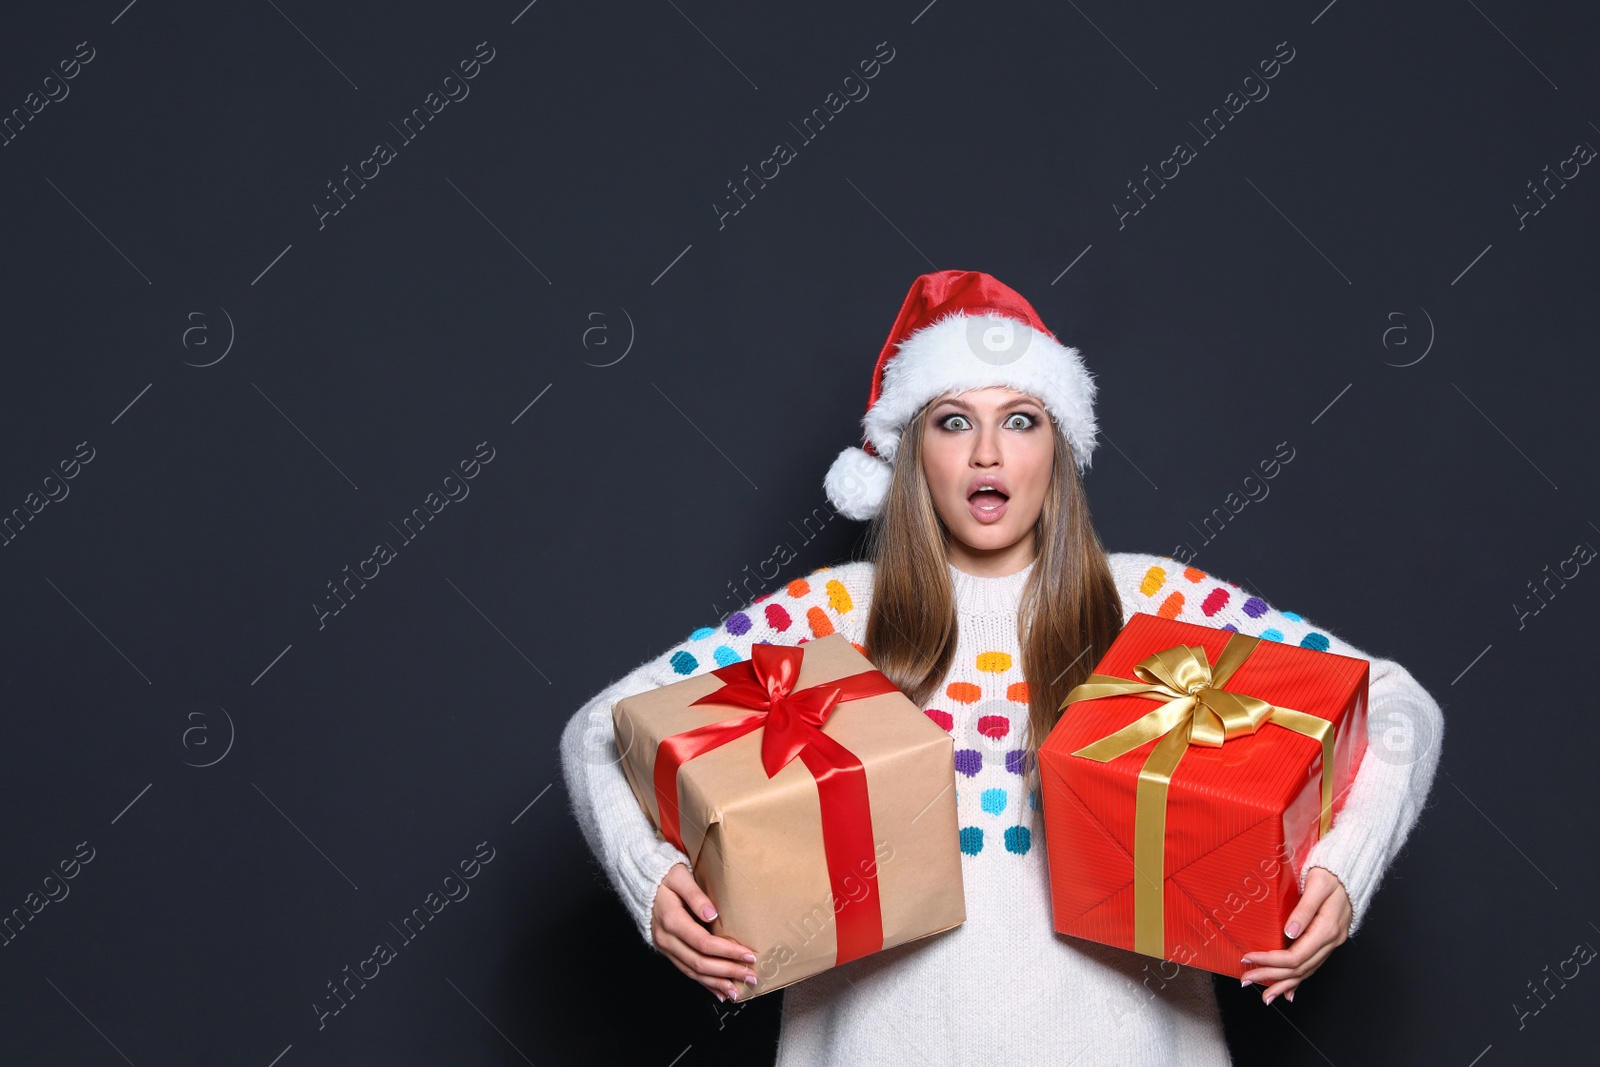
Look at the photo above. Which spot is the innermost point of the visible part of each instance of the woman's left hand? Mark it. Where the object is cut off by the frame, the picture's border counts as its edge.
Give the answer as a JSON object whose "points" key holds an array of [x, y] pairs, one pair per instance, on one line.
{"points": [[1322, 923]]}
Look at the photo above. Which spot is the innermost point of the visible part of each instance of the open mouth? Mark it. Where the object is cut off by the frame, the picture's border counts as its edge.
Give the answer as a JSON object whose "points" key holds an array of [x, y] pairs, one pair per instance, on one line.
{"points": [[987, 500]]}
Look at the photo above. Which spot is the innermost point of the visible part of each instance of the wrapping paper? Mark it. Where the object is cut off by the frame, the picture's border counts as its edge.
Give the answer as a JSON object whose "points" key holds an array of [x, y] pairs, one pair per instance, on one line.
{"points": [[1236, 754], [853, 832]]}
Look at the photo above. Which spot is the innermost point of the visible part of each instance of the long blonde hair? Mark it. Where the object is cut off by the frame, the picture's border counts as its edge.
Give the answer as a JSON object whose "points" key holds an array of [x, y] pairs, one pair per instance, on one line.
{"points": [[1069, 612]]}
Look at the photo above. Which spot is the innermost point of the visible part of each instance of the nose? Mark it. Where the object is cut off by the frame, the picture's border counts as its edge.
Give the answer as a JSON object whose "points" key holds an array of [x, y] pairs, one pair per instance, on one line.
{"points": [[986, 447]]}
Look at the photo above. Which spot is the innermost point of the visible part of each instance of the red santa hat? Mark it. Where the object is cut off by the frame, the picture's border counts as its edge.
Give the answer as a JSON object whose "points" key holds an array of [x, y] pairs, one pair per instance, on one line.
{"points": [[959, 330]]}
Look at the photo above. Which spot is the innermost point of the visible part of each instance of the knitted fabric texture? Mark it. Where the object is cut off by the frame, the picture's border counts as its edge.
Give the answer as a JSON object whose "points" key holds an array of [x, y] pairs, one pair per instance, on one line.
{"points": [[1003, 987]]}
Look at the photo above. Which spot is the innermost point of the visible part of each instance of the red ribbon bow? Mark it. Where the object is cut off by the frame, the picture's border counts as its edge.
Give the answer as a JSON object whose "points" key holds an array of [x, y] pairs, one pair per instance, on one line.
{"points": [[792, 723]]}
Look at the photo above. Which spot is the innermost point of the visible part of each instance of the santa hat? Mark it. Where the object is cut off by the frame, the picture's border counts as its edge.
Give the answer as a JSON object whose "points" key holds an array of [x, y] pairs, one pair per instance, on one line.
{"points": [[959, 330]]}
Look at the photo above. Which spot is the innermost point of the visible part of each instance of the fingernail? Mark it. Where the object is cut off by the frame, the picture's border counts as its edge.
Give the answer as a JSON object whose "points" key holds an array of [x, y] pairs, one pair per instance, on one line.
{"points": [[1244, 982], [733, 992], [1248, 962], [1293, 929], [749, 957], [1271, 998], [750, 978], [709, 912], [1289, 996], [719, 996]]}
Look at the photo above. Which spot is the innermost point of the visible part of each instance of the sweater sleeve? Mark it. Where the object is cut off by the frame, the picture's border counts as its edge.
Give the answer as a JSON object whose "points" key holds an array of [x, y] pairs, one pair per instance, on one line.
{"points": [[627, 846], [1405, 725]]}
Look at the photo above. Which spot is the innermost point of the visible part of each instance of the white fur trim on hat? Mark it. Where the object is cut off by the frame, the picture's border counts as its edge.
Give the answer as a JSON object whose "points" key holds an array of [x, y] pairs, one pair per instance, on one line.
{"points": [[857, 483], [959, 352]]}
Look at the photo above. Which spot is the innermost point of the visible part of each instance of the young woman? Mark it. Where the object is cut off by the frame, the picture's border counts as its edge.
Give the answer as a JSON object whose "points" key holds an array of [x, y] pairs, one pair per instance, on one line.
{"points": [[986, 599]]}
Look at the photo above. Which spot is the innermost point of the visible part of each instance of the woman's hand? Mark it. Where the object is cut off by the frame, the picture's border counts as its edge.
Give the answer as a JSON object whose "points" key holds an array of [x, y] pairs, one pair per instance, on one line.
{"points": [[717, 963], [1324, 917]]}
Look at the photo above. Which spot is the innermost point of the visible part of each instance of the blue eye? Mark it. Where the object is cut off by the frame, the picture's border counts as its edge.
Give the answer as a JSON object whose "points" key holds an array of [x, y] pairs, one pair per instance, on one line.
{"points": [[1027, 422], [945, 423]]}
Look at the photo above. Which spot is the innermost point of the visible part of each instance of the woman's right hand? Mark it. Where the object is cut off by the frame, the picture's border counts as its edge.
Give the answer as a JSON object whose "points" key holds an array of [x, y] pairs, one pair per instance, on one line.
{"points": [[718, 963]]}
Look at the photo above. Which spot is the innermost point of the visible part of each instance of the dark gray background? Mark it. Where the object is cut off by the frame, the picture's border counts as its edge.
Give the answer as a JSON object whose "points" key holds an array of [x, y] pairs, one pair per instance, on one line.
{"points": [[1284, 287]]}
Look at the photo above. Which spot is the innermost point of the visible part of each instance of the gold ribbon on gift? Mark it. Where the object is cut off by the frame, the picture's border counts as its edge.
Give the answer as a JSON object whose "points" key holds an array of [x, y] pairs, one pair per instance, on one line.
{"points": [[1196, 709]]}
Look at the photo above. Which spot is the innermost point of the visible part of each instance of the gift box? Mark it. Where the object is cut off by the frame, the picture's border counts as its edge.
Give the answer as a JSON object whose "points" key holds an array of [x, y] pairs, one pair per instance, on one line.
{"points": [[816, 802], [1186, 781]]}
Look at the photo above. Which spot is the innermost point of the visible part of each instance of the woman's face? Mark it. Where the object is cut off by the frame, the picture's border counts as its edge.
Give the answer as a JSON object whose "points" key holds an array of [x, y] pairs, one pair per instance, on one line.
{"points": [[988, 454]]}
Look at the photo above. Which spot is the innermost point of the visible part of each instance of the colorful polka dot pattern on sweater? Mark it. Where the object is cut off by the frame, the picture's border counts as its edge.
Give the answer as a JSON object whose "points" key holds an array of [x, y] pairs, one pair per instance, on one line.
{"points": [[1191, 595], [983, 701]]}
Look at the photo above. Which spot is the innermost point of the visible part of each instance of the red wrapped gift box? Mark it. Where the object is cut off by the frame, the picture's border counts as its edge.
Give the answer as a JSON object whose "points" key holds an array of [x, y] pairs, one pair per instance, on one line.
{"points": [[1235, 757]]}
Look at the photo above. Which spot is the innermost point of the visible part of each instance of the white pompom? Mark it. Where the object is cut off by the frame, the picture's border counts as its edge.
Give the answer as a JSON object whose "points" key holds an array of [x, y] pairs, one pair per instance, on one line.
{"points": [[857, 483]]}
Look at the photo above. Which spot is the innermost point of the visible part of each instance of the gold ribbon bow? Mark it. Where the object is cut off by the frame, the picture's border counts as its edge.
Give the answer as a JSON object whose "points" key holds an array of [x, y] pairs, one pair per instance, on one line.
{"points": [[1196, 708]]}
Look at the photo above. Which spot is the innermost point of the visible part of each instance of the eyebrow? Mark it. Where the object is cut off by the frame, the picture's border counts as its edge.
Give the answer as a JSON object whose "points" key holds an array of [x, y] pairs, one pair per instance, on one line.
{"points": [[1018, 402]]}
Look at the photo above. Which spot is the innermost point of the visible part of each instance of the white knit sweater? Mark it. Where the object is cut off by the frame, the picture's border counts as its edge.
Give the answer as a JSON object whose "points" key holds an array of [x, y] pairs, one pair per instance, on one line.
{"points": [[1003, 987]]}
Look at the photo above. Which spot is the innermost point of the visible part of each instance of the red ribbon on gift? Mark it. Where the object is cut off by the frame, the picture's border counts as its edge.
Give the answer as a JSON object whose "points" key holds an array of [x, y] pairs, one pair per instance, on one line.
{"points": [[792, 722]]}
